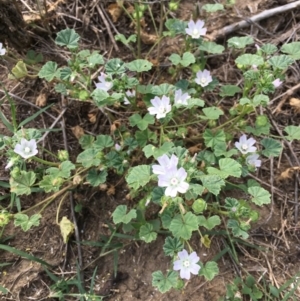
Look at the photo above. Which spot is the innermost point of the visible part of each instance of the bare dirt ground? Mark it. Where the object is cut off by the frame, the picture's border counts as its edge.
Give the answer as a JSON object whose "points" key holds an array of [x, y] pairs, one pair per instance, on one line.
{"points": [[277, 232]]}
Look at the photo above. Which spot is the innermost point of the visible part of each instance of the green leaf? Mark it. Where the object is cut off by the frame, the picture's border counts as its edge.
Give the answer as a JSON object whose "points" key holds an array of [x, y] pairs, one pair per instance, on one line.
{"points": [[67, 37], [186, 60], [199, 205], [293, 49], [176, 26], [103, 141], [150, 150], [139, 65], [138, 176], [211, 47], [88, 158], [18, 71], [273, 148], [163, 89], [21, 183], [229, 90], [183, 226], [211, 8], [120, 215], [231, 167], [49, 71], [33, 57], [64, 170], [146, 234], [280, 61], [95, 178], [249, 60], [115, 66], [212, 183], [211, 113], [26, 222], [120, 37], [65, 73], [51, 183], [61, 88], [86, 141], [164, 283], [141, 122], [260, 196], [212, 138], [144, 137], [209, 271], [268, 48], [195, 102], [100, 97], [209, 223], [95, 59], [293, 132], [236, 229], [239, 42], [172, 246]]}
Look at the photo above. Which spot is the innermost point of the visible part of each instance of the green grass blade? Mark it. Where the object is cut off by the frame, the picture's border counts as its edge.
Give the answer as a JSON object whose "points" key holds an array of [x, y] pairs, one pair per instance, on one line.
{"points": [[24, 122], [93, 281], [4, 120], [23, 254]]}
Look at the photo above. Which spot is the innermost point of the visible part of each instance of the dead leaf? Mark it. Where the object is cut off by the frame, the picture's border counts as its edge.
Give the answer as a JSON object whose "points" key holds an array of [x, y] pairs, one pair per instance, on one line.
{"points": [[116, 124], [77, 131], [195, 149], [148, 39], [66, 228], [115, 10], [92, 117], [295, 103], [288, 173], [41, 100], [111, 190]]}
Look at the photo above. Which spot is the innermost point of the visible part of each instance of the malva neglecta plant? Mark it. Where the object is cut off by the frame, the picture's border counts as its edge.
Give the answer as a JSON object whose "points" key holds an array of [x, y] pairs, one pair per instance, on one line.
{"points": [[185, 186]]}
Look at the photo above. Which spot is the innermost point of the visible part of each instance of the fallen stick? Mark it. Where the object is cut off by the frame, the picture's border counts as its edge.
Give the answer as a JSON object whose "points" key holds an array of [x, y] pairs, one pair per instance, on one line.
{"points": [[263, 15]]}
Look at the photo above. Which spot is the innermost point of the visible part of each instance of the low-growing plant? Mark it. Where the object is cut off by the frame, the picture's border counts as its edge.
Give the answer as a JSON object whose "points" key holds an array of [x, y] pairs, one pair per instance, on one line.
{"points": [[192, 152]]}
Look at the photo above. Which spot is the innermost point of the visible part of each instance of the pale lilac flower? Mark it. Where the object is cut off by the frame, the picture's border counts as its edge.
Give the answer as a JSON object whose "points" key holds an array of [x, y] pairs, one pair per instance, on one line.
{"points": [[130, 94], [203, 78], [187, 264], [9, 164], [166, 164], [118, 147], [245, 145], [253, 160], [181, 98], [277, 82], [195, 30], [103, 84], [254, 67], [257, 47], [174, 181], [2, 50], [160, 106], [26, 149]]}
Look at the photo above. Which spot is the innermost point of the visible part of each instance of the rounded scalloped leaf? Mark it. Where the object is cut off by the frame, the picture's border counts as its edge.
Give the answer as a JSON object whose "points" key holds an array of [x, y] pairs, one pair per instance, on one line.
{"points": [[68, 37]]}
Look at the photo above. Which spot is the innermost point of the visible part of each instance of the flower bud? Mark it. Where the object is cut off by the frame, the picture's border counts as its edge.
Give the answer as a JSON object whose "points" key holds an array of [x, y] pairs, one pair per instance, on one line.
{"points": [[77, 179], [63, 155]]}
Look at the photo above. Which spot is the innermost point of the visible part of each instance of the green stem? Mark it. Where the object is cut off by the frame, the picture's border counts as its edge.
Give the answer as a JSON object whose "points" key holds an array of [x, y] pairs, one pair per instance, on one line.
{"points": [[37, 159]]}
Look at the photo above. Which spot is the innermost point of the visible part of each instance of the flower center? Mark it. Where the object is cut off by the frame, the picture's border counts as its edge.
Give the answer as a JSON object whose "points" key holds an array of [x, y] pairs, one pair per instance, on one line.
{"points": [[27, 150], [244, 147], [195, 32], [161, 109], [203, 80], [186, 263], [174, 181]]}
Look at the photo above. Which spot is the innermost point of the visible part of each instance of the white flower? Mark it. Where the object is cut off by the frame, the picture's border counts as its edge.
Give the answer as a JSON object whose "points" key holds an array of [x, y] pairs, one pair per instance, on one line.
{"points": [[130, 95], [245, 145], [118, 147], [174, 181], [203, 78], [2, 50], [195, 30], [277, 82], [166, 164], [253, 160], [9, 164], [103, 84], [160, 106], [26, 149], [187, 264], [181, 98]]}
